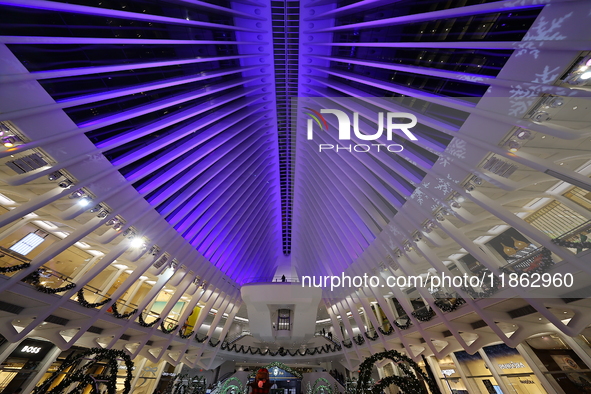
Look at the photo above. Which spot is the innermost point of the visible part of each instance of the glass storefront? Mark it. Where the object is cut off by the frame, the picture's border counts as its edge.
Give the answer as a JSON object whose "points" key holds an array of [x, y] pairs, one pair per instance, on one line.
{"points": [[450, 377], [23, 362], [517, 375], [477, 373], [563, 368]]}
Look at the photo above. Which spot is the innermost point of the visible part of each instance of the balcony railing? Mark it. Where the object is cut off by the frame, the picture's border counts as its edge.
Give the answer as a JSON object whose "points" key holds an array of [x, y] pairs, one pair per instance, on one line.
{"points": [[577, 238], [539, 260]]}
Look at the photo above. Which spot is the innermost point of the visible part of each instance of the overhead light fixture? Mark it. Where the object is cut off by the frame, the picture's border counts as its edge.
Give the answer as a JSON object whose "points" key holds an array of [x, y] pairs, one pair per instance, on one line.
{"points": [[96, 208], [541, 116], [77, 194], [10, 141], [103, 214], [54, 176], [112, 222], [66, 183], [555, 102], [460, 199], [455, 204], [513, 146], [523, 134], [439, 217], [477, 181], [417, 237], [84, 201], [428, 227], [586, 75], [138, 242], [117, 226], [470, 187]]}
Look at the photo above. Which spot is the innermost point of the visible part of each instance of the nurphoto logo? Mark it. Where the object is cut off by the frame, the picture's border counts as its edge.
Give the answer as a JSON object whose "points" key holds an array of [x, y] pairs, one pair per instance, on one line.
{"points": [[393, 121]]}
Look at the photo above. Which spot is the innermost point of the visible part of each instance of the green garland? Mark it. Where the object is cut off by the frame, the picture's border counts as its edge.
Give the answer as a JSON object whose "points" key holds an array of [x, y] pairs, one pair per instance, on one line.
{"points": [[359, 340], [424, 314], [408, 382], [374, 337], [389, 331], [185, 336], [48, 290], [119, 315], [143, 323], [14, 268], [82, 301], [279, 365], [34, 279], [168, 330], [404, 326], [201, 340], [81, 376], [188, 385], [446, 305], [579, 246]]}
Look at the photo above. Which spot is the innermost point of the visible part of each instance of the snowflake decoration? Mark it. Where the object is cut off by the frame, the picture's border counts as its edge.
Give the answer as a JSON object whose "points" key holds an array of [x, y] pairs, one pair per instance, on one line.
{"points": [[542, 31], [528, 48], [457, 148], [546, 77], [451, 179], [418, 195], [522, 99], [471, 78], [444, 161], [394, 230], [444, 186]]}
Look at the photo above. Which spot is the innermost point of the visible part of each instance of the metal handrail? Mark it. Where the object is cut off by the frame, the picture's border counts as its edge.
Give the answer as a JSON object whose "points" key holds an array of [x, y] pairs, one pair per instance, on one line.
{"points": [[575, 231], [524, 262], [14, 255]]}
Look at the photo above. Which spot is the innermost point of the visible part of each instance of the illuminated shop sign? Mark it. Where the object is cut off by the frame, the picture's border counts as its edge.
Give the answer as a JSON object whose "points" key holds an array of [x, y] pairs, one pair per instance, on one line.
{"points": [[511, 365], [31, 349], [448, 372]]}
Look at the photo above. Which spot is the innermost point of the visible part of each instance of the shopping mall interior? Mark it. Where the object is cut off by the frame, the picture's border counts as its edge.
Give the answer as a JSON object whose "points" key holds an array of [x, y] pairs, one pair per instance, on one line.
{"points": [[183, 201]]}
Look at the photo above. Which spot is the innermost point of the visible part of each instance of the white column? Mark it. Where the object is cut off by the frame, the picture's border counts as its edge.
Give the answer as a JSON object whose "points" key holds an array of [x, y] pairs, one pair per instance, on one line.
{"points": [[528, 356], [138, 371], [43, 367], [109, 282], [469, 384], [443, 386], [494, 372]]}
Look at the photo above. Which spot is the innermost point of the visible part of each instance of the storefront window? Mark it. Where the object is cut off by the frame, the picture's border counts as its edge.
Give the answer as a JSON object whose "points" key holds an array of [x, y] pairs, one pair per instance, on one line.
{"points": [[561, 365], [515, 372], [22, 363], [478, 373], [450, 377]]}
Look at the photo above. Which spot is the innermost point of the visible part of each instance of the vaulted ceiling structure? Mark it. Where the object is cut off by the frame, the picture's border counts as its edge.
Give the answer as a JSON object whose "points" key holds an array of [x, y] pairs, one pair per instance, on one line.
{"points": [[185, 124]]}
